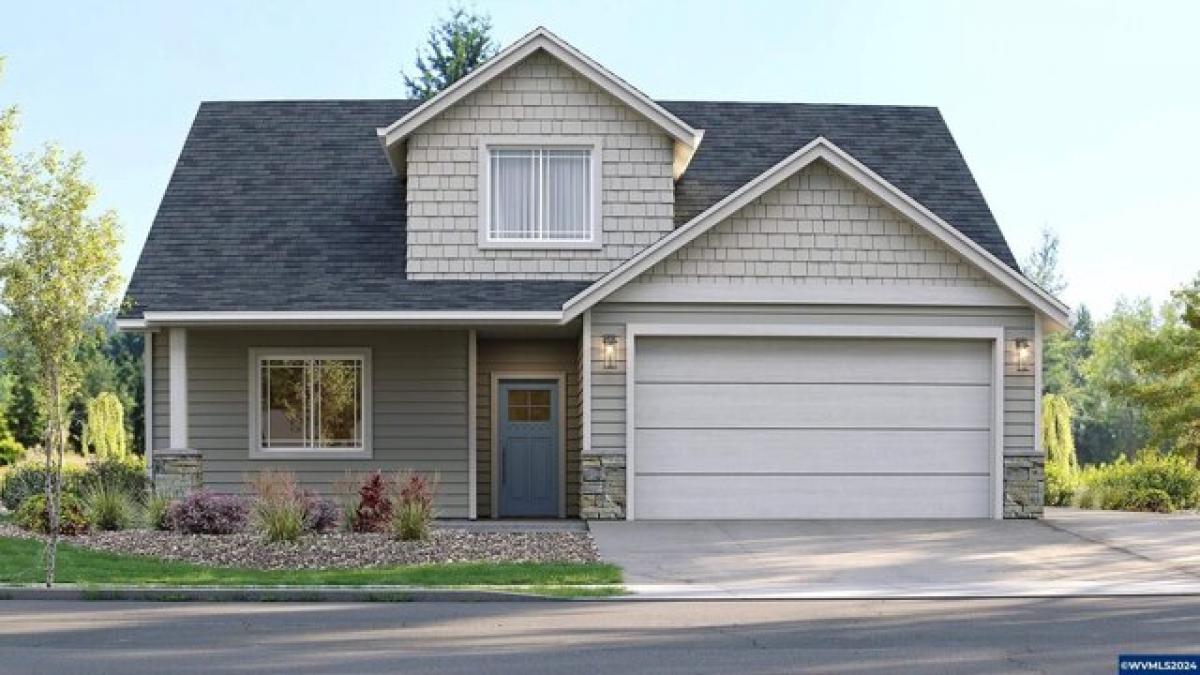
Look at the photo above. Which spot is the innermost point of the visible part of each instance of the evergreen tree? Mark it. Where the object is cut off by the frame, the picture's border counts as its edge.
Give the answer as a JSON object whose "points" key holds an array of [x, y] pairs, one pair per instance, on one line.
{"points": [[455, 47]]}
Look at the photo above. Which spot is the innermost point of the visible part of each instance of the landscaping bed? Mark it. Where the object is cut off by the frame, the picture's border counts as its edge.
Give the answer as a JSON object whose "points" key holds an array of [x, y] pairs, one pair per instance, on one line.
{"points": [[338, 550]]}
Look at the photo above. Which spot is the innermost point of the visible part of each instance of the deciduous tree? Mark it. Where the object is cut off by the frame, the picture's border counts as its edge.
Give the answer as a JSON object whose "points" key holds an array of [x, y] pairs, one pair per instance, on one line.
{"points": [[59, 268]]}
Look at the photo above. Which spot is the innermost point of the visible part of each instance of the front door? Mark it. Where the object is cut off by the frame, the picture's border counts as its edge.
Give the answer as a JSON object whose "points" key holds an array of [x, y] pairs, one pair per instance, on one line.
{"points": [[528, 429]]}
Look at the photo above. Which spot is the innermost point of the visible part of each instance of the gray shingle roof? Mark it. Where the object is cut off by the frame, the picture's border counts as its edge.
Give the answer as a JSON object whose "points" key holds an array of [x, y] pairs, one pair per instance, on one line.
{"points": [[291, 205]]}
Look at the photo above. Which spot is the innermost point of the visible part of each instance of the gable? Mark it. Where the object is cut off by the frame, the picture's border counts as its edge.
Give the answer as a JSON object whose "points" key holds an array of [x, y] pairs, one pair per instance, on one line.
{"points": [[686, 139], [816, 228], [539, 98]]}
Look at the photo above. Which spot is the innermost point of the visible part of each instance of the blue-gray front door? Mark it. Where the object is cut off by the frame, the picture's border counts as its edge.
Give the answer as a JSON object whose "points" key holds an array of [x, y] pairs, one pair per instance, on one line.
{"points": [[528, 422]]}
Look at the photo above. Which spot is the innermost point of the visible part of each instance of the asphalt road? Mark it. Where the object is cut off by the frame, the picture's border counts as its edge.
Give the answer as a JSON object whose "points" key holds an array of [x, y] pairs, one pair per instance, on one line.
{"points": [[958, 636]]}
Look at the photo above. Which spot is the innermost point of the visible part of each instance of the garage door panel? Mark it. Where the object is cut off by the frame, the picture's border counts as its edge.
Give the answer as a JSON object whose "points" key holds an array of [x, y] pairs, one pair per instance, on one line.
{"points": [[712, 359], [785, 496], [812, 405], [754, 427], [812, 451]]}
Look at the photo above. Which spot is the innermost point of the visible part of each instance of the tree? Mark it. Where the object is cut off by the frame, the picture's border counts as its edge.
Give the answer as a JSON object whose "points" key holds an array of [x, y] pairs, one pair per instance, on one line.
{"points": [[105, 429], [1041, 266], [59, 268], [1057, 438], [1109, 423], [1168, 384], [455, 47]]}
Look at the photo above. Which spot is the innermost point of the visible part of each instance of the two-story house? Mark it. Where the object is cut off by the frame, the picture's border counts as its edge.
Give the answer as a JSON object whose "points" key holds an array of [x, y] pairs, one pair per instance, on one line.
{"points": [[568, 299]]}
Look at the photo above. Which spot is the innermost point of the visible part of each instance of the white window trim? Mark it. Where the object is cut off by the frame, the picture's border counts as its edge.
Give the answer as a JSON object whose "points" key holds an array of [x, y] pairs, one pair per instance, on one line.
{"points": [[258, 354], [484, 185]]}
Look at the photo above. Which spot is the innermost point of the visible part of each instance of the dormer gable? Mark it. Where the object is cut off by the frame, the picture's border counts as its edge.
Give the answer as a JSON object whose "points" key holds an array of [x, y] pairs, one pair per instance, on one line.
{"points": [[686, 139]]}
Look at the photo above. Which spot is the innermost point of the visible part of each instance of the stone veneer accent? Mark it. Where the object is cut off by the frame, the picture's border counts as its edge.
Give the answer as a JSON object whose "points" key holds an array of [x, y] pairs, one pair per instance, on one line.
{"points": [[817, 227], [1024, 486], [176, 472], [602, 488], [539, 96]]}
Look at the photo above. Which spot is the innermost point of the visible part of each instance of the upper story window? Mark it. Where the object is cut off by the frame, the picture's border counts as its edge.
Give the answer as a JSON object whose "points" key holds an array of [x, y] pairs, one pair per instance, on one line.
{"points": [[540, 196]]}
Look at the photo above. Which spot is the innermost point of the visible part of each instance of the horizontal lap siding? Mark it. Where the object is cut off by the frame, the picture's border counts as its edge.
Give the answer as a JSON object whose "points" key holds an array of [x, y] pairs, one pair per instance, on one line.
{"points": [[608, 386], [526, 356], [419, 421]]}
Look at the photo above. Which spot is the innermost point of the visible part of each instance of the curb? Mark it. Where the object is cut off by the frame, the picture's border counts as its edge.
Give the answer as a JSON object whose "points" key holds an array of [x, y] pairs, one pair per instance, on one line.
{"points": [[274, 594]]}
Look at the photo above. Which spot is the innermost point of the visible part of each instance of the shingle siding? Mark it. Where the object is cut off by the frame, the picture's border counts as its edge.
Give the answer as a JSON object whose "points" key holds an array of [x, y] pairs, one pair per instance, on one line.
{"points": [[539, 96], [817, 227]]}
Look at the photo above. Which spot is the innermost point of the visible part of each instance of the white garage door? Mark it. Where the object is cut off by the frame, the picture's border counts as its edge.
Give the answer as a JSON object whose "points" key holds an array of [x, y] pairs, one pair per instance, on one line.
{"points": [[812, 428]]}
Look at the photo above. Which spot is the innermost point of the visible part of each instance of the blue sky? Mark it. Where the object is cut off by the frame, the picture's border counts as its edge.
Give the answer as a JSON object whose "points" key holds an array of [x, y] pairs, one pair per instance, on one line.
{"points": [[1078, 116]]}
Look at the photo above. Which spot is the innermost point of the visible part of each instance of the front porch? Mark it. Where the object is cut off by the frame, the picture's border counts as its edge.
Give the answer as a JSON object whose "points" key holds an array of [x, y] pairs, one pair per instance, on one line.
{"points": [[439, 400]]}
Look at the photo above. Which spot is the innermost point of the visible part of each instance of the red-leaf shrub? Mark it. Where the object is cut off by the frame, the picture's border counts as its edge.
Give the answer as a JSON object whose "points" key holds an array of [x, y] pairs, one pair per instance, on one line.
{"points": [[413, 517], [203, 512], [374, 511]]}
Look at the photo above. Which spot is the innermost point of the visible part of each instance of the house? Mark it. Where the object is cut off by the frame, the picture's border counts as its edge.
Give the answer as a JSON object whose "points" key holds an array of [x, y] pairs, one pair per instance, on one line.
{"points": [[570, 300]]}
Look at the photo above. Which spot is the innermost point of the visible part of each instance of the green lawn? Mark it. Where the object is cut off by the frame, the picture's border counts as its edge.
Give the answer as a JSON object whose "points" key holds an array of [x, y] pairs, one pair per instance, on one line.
{"points": [[20, 563]]}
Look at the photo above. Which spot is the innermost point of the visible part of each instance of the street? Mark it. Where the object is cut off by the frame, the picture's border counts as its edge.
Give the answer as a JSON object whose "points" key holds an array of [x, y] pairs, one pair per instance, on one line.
{"points": [[1004, 635]]}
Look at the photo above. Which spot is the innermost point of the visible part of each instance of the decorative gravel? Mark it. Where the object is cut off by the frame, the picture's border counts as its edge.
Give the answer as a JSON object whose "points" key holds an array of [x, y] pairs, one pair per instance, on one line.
{"points": [[340, 550]]}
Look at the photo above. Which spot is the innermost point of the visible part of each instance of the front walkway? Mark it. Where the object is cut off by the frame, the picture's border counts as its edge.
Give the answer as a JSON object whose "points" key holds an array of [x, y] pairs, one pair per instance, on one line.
{"points": [[1172, 540], [877, 559]]}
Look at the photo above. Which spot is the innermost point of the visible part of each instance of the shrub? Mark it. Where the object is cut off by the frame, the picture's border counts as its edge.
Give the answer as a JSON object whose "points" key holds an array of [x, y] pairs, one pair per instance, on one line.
{"points": [[34, 516], [320, 514], [127, 474], [203, 512], [374, 510], [156, 510], [413, 515], [278, 509], [1150, 499], [28, 478], [1060, 485], [10, 451], [108, 508], [1125, 485]]}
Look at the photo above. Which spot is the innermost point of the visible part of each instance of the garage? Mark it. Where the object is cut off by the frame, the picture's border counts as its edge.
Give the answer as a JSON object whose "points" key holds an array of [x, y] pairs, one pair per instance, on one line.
{"points": [[744, 427]]}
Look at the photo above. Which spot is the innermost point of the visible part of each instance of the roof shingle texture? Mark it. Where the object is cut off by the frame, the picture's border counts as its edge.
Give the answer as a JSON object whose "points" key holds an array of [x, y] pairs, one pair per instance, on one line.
{"points": [[292, 205]]}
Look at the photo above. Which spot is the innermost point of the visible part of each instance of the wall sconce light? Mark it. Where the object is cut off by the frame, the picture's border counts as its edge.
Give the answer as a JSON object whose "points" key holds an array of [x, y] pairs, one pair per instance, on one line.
{"points": [[610, 352], [1024, 355]]}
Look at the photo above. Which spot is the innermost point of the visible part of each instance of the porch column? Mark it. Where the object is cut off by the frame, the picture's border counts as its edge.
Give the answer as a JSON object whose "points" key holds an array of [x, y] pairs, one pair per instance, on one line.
{"points": [[148, 400], [472, 424], [177, 388]]}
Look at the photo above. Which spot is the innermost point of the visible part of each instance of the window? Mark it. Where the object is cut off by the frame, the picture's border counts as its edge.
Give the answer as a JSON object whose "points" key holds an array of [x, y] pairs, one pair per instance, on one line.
{"points": [[541, 195], [310, 404]]}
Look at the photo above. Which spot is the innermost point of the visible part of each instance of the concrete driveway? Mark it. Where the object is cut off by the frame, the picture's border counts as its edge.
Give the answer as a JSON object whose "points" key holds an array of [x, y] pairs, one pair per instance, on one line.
{"points": [[894, 559]]}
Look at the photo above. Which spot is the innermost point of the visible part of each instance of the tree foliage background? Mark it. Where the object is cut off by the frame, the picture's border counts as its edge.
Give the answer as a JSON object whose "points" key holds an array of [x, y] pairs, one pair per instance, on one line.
{"points": [[456, 46]]}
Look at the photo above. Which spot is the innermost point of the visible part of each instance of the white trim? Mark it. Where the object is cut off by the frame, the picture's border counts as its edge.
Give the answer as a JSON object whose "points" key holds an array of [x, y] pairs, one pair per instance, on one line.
{"points": [[472, 426], [1038, 339], [350, 317], [772, 291], [823, 149], [131, 324], [541, 38], [178, 387], [552, 375], [255, 356], [593, 144], [148, 400], [585, 379], [995, 334]]}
